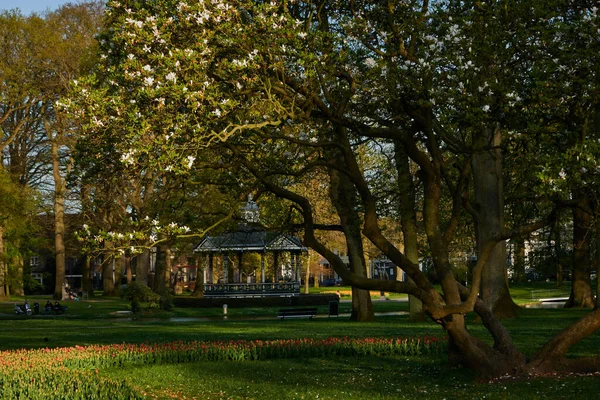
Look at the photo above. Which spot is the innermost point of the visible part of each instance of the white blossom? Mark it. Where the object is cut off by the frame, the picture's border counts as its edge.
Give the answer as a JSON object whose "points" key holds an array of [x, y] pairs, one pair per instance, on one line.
{"points": [[190, 161], [370, 62], [171, 77]]}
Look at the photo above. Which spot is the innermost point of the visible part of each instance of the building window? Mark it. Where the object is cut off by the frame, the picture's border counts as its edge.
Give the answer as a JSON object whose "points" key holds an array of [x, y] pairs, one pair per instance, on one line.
{"points": [[34, 261]]}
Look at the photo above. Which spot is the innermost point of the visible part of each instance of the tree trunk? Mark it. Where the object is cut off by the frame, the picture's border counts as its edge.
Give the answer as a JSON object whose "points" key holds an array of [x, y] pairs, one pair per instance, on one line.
{"points": [[86, 278], [118, 277], [108, 283], [59, 223], [128, 271], [162, 274], [408, 219], [3, 273], [581, 289], [199, 288], [343, 198], [519, 266], [307, 276], [597, 263], [142, 267], [560, 276], [17, 283], [489, 199]]}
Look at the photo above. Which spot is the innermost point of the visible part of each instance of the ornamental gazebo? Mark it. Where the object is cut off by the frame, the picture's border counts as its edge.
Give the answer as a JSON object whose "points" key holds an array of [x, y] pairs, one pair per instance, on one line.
{"points": [[227, 275]]}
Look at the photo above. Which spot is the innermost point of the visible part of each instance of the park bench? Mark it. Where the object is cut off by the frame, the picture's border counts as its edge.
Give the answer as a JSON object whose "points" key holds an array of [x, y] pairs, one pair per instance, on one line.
{"points": [[297, 313]]}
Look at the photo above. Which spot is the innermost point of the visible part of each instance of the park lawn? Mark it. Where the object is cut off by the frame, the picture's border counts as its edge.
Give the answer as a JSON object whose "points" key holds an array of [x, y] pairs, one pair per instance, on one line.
{"points": [[360, 377], [398, 377], [340, 378], [522, 293], [110, 308], [529, 292], [346, 292]]}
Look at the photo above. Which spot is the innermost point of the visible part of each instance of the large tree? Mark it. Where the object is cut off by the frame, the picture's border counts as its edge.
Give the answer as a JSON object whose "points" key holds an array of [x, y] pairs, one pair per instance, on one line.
{"points": [[65, 49], [294, 88]]}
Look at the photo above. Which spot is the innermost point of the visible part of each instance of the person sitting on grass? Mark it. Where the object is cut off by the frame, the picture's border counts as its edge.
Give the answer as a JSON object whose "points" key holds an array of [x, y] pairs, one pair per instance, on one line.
{"points": [[57, 308], [48, 307]]}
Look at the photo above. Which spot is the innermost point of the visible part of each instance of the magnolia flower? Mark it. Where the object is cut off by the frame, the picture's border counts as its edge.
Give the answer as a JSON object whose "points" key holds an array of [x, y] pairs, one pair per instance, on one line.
{"points": [[369, 62], [171, 77], [190, 161]]}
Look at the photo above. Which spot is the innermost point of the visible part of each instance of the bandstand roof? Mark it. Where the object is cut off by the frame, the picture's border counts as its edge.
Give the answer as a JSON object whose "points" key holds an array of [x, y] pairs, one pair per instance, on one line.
{"points": [[249, 239]]}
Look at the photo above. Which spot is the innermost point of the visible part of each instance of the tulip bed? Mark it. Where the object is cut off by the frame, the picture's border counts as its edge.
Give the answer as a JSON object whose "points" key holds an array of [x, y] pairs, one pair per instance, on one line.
{"points": [[72, 372]]}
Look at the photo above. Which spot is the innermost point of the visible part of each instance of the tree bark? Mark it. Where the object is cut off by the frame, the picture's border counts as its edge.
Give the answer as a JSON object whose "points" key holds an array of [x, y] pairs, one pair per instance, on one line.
{"points": [[118, 276], [307, 275], [489, 199], [581, 289], [199, 288], [343, 197], [408, 219], [560, 276], [142, 267], [59, 221], [86, 279], [597, 263], [3, 273], [162, 274], [519, 265], [128, 271], [108, 283], [17, 282]]}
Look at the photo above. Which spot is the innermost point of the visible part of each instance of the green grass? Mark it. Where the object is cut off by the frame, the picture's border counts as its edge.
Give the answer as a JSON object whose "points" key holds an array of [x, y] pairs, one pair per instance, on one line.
{"points": [[341, 378], [346, 291], [523, 293], [426, 377]]}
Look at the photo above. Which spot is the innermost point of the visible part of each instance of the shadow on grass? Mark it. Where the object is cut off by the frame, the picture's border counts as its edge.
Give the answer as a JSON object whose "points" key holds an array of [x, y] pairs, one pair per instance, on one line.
{"points": [[340, 378]]}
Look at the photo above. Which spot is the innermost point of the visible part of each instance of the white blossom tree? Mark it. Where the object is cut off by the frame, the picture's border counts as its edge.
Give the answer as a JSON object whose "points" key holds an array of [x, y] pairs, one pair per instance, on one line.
{"points": [[288, 88]]}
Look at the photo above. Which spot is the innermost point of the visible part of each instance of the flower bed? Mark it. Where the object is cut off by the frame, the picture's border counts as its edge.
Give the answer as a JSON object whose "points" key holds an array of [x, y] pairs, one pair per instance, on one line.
{"points": [[71, 372]]}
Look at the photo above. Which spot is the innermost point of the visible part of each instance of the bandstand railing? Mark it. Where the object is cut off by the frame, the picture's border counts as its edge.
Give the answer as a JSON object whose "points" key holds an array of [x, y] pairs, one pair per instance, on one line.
{"points": [[252, 289]]}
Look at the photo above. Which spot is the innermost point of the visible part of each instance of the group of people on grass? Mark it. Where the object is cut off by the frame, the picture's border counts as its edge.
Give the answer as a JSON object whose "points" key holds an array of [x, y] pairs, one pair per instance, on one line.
{"points": [[55, 308]]}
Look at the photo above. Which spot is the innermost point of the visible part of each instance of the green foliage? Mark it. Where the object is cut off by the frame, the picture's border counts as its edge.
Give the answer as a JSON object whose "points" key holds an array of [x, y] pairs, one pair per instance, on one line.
{"points": [[138, 293], [166, 300]]}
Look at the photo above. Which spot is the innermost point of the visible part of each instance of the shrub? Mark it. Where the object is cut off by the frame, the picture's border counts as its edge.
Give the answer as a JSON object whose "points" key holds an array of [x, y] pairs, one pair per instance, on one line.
{"points": [[166, 301], [138, 293]]}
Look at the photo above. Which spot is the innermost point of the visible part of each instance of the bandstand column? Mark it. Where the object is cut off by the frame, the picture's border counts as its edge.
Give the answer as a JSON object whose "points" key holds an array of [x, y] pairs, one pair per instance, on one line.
{"points": [[293, 265], [298, 266], [239, 267], [225, 268], [275, 267], [206, 263], [262, 267], [210, 268]]}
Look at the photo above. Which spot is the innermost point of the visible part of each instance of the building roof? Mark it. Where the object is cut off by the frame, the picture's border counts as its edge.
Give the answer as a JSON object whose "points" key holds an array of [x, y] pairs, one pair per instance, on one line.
{"points": [[249, 239]]}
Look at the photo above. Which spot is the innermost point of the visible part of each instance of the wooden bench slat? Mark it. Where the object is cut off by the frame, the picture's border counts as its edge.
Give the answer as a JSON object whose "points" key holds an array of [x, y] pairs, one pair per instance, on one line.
{"points": [[297, 313]]}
